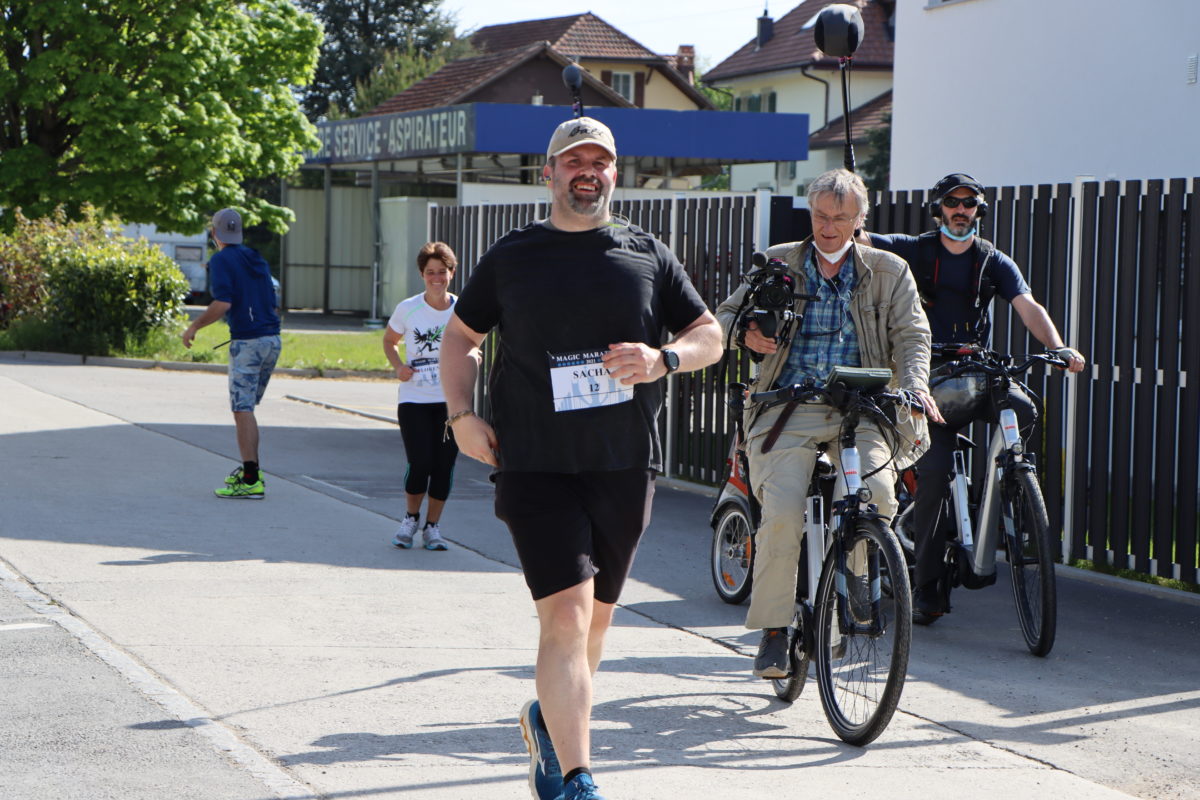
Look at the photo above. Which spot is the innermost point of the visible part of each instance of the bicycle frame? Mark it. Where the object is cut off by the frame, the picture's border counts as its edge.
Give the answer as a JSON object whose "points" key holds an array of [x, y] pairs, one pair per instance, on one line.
{"points": [[815, 528], [1005, 452], [845, 511]]}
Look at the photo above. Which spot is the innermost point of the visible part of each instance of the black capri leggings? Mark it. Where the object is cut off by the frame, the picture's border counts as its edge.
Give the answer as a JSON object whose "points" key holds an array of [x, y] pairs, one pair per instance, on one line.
{"points": [[430, 459]]}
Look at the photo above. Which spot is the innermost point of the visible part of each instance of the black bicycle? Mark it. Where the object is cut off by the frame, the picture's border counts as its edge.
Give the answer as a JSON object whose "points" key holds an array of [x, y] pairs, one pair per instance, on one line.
{"points": [[853, 600], [1009, 512]]}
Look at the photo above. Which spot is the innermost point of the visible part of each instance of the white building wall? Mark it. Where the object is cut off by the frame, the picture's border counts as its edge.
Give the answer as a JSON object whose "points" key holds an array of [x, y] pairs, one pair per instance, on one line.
{"points": [[402, 227], [1041, 91], [797, 94]]}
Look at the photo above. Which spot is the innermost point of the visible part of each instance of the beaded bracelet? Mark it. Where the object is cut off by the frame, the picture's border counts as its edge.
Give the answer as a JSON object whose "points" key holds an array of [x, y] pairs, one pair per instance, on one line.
{"points": [[453, 418]]}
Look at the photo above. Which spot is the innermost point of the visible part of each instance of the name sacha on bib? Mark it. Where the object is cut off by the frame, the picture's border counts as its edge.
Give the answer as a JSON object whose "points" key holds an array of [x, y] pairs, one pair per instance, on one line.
{"points": [[579, 380]]}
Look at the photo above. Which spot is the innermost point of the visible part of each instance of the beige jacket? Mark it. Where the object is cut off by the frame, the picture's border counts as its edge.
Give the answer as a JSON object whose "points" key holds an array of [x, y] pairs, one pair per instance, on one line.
{"points": [[893, 331]]}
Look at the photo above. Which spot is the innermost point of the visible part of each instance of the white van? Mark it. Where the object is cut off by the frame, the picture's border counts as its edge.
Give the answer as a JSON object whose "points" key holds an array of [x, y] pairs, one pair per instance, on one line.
{"points": [[190, 252]]}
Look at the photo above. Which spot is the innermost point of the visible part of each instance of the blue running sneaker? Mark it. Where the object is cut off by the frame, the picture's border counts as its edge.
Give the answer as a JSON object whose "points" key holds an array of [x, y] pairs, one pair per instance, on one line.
{"points": [[581, 787], [545, 776]]}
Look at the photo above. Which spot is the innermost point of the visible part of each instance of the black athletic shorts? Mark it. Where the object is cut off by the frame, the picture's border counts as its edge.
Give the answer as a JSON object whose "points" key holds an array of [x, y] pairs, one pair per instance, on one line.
{"points": [[571, 527]]}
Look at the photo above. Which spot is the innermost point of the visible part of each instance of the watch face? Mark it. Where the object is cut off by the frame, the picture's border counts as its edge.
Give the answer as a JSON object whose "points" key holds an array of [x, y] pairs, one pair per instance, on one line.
{"points": [[671, 360]]}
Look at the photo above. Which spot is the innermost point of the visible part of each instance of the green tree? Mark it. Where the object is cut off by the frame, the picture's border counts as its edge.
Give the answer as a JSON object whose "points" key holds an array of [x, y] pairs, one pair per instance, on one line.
{"points": [[876, 169], [358, 36], [722, 99], [399, 70], [153, 112]]}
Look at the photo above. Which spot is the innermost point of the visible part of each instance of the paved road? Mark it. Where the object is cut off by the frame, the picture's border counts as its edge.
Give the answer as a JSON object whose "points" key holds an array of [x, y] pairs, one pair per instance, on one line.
{"points": [[157, 642]]}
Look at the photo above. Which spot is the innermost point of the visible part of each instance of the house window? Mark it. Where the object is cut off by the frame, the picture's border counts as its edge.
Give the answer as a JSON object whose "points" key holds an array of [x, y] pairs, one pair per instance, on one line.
{"points": [[622, 84], [755, 102]]}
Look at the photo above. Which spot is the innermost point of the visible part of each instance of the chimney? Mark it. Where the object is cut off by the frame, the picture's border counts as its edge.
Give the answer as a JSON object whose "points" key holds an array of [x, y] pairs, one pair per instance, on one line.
{"points": [[685, 62], [766, 29]]}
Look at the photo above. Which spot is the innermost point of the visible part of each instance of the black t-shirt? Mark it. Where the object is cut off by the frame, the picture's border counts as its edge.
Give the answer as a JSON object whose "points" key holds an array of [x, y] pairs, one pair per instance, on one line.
{"points": [[560, 299], [952, 315]]}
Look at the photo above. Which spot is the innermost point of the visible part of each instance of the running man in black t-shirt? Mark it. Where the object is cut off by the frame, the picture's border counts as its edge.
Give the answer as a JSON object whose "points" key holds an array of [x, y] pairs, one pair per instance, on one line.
{"points": [[582, 304], [958, 273]]}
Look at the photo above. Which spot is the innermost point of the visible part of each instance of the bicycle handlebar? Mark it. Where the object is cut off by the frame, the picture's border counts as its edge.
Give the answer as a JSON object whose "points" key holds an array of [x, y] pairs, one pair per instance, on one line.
{"points": [[839, 396], [972, 358]]}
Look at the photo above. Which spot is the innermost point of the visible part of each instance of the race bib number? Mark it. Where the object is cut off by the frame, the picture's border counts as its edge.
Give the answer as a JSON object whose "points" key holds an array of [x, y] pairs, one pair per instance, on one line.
{"points": [[580, 380], [426, 372]]}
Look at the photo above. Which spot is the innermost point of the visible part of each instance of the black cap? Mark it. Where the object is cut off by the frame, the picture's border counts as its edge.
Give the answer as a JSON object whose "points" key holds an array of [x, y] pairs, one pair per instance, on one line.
{"points": [[954, 181]]}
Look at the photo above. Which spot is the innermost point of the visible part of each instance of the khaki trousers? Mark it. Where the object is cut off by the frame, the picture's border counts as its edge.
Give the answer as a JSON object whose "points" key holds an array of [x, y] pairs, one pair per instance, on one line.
{"points": [[780, 481]]}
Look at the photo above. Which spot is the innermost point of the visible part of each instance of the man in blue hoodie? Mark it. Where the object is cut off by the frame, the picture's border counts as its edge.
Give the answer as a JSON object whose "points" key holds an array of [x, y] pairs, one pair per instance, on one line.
{"points": [[244, 294]]}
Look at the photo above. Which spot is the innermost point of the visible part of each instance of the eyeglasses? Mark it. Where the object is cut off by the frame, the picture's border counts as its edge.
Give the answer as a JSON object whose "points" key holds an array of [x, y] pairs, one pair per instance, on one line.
{"points": [[840, 220], [965, 202]]}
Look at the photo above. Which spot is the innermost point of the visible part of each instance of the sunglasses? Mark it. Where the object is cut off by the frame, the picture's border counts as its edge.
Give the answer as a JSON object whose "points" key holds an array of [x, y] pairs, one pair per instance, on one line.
{"points": [[965, 202]]}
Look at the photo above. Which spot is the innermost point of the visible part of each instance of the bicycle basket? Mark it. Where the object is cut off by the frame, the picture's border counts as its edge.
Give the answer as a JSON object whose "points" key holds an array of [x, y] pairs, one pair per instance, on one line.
{"points": [[961, 398]]}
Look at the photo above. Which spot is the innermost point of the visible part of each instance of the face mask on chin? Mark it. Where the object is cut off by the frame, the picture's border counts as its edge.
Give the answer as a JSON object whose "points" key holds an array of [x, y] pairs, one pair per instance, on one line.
{"points": [[833, 257], [946, 232]]}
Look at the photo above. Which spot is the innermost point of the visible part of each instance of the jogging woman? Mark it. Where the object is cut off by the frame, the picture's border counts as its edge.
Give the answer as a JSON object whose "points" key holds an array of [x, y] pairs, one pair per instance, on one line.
{"points": [[421, 410]]}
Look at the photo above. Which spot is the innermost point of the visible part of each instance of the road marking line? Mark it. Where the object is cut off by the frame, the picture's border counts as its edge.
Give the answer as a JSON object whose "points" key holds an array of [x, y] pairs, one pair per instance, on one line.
{"points": [[335, 486], [21, 626], [283, 785]]}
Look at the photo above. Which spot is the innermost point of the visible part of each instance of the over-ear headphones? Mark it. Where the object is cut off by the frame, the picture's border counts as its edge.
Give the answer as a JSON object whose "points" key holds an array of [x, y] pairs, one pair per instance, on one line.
{"points": [[948, 184]]}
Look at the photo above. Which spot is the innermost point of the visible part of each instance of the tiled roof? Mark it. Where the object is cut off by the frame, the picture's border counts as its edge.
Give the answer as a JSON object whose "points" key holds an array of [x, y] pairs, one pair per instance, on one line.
{"points": [[862, 119], [507, 47], [792, 45], [456, 81], [579, 36]]}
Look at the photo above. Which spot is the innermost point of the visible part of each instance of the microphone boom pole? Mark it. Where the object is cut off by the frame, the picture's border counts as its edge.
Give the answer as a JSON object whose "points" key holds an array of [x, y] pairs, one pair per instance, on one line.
{"points": [[838, 33]]}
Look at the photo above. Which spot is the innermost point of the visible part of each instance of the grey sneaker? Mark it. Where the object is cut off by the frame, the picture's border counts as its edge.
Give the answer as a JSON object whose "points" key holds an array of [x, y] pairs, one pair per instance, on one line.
{"points": [[774, 655], [433, 537], [404, 534]]}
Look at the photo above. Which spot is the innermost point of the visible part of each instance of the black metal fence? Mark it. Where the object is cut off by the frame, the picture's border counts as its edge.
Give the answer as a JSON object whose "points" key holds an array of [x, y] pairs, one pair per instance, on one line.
{"points": [[1115, 264], [714, 240]]}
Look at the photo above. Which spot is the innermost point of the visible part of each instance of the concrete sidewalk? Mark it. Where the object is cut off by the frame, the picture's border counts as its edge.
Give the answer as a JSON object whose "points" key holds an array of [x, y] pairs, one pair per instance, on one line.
{"points": [[285, 650]]}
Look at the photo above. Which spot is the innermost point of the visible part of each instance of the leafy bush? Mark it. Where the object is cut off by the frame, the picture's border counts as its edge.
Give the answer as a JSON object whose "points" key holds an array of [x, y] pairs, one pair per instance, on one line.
{"points": [[23, 256], [80, 288]]}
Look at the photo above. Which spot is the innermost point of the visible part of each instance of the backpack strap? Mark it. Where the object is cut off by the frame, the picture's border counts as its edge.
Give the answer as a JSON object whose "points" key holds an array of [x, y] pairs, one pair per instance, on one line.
{"points": [[925, 270], [985, 286]]}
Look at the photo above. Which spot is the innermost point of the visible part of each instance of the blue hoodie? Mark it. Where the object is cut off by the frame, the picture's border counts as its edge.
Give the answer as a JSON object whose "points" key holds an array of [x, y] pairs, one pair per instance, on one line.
{"points": [[240, 276]]}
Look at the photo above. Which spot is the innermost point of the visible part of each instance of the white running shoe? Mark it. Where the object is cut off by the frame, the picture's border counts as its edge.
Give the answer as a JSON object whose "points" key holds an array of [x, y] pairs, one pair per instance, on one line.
{"points": [[404, 534], [433, 537]]}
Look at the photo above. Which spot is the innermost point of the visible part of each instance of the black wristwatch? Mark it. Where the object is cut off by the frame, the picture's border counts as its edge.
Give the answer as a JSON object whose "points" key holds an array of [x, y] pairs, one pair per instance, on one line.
{"points": [[670, 360]]}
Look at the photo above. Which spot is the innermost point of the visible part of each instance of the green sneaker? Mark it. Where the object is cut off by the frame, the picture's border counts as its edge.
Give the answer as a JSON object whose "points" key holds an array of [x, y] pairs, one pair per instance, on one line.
{"points": [[249, 491], [236, 477]]}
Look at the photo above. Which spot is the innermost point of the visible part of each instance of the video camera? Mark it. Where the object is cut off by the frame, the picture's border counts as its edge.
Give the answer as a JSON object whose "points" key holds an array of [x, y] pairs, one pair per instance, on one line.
{"points": [[769, 301]]}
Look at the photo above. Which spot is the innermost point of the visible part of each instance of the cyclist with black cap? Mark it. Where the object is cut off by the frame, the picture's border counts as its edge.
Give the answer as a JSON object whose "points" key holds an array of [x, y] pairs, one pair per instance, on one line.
{"points": [[958, 273]]}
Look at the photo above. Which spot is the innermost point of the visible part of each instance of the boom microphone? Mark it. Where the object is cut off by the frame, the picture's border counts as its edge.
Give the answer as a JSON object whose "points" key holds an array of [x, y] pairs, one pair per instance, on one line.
{"points": [[838, 33]]}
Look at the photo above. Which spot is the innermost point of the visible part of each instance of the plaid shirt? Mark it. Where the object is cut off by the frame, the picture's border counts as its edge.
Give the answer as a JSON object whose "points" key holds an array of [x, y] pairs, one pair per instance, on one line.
{"points": [[827, 336]]}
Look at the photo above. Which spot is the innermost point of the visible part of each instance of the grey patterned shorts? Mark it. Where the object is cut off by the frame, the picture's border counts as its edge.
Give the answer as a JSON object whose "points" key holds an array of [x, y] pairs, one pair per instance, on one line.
{"points": [[251, 362]]}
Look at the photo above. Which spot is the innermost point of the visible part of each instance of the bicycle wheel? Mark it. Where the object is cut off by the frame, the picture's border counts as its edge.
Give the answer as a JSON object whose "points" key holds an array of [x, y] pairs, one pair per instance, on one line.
{"points": [[863, 631], [1031, 559], [789, 688], [732, 554]]}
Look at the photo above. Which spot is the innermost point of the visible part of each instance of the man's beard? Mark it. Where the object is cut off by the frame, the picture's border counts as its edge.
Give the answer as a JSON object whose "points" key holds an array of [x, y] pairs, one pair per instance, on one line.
{"points": [[596, 207], [588, 207], [960, 226]]}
